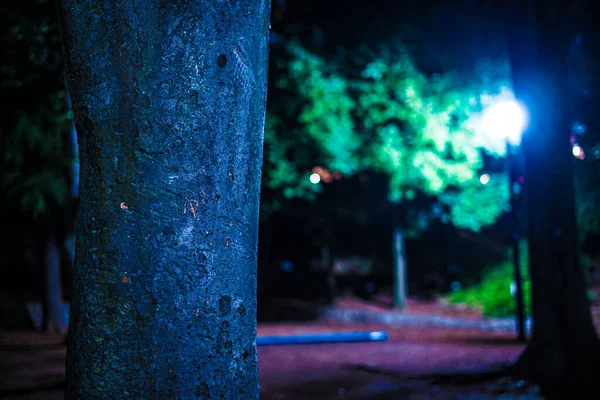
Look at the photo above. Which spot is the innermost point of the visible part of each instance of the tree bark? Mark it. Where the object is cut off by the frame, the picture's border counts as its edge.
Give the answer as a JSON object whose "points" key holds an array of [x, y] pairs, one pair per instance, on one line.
{"points": [[169, 103], [564, 351]]}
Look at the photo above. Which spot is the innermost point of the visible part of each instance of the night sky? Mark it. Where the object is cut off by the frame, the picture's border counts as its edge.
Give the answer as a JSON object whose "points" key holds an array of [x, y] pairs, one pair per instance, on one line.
{"points": [[449, 34]]}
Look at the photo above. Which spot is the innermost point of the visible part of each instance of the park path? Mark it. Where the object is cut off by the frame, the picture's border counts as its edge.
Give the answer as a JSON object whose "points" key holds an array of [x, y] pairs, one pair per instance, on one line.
{"points": [[421, 313], [31, 364], [385, 370], [433, 313], [426, 338]]}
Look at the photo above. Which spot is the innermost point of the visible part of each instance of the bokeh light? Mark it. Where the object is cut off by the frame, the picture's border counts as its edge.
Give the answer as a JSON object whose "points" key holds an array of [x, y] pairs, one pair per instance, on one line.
{"points": [[315, 178], [578, 151], [484, 179]]}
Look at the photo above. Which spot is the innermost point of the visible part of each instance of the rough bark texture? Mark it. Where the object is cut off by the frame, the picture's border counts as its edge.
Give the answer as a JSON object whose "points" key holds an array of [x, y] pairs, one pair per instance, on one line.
{"points": [[169, 103], [564, 352]]}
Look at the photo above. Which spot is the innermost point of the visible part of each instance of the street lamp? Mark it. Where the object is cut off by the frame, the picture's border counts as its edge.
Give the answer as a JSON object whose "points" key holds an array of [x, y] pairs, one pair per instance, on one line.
{"points": [[506, 119]]}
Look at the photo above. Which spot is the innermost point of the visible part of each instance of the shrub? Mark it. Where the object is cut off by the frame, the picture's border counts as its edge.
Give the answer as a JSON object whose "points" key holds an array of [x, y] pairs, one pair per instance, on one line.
{"points": [[492, 293]]}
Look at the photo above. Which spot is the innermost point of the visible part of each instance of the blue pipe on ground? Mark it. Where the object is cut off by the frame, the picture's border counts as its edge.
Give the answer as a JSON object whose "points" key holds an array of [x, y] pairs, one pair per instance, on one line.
{"points": [[317, 338]]}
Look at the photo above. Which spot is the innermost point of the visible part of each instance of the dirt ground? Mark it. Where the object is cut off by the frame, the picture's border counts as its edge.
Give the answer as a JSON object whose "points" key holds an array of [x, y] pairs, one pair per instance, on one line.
{"points": [[385, 370], [31, 365]]}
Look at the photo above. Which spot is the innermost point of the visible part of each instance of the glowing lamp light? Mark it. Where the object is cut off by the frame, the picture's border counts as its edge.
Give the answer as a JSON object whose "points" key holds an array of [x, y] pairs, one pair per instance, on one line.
{"points": [[315, 178], [578, 151], [505, 119], [484, 179]]}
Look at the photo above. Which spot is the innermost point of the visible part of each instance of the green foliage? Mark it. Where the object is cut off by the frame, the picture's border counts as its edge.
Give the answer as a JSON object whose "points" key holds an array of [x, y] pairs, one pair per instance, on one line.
{"points": [[285, 160], [309, 124], [492, 293], [373, 110], [326, 118], [587, 191], [466, 204], [417, 126], [584, 99], [36, 154]]}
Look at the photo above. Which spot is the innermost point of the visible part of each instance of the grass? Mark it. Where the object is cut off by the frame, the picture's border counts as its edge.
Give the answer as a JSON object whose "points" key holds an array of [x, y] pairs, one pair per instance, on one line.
{"points": [[492, 293]]}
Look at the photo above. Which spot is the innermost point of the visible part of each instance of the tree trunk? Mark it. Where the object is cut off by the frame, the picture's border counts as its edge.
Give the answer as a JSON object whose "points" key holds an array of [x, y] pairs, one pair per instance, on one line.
{"points": [[400, 272], [564, 351], [70, 237], [52, 303], [515, 238], [327, 264], [75, 149], [169, 104], [327, 260]]}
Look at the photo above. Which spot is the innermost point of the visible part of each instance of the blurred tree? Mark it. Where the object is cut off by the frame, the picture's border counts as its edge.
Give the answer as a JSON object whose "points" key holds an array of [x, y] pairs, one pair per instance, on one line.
{"points": [[587, 185], [373, 110], [442, 36], [564, 351], [169, 104], [35, 152], [35, 155], [584, 100]]}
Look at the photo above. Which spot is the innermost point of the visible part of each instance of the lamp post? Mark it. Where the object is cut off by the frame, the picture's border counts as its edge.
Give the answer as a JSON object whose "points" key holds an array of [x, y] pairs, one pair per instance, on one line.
{"points": [[506, 120], [514, 188]]}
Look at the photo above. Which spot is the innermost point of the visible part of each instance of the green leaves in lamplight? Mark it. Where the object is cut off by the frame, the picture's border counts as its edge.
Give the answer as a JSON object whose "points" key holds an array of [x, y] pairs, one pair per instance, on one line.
{"points": [[281, 171], [476, 205], [419, 124], [374, 110], [326, 114]]}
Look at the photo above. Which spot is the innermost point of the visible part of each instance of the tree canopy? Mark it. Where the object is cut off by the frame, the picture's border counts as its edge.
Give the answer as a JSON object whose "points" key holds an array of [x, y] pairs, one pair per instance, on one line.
{"points": [[584, 87], [36, 152], [374, 110]]}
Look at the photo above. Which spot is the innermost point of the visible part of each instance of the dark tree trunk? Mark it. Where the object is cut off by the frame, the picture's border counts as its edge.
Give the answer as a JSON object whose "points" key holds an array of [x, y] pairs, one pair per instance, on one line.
{"points": [[327, 258], [564, 351], [52, 302], [327, 265], [400, 271], [169, 103], [515, 170]]}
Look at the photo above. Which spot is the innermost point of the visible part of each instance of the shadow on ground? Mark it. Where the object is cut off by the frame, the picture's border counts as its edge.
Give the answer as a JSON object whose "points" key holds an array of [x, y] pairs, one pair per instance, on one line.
{"points": [[492, 341]]}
